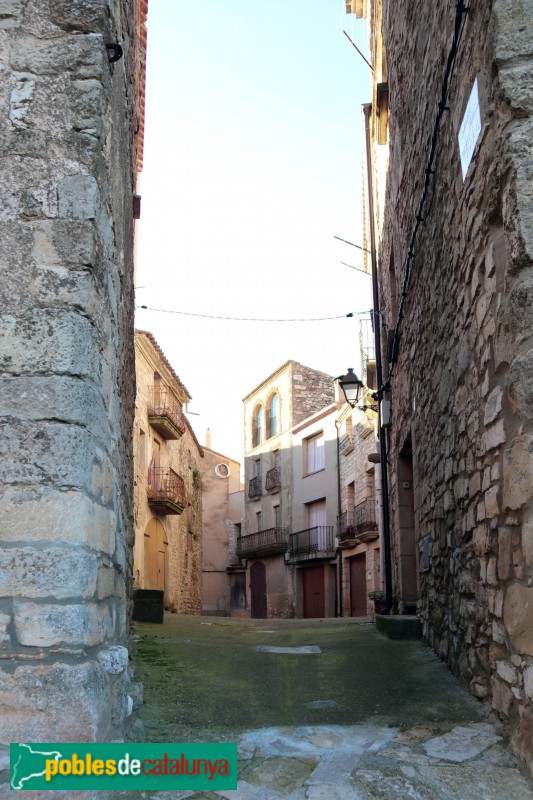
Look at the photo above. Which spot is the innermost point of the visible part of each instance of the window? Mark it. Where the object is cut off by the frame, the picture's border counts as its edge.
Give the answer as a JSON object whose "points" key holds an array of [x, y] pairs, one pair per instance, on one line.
{"points": [[142, 450], [315, 453], [277, 516], [273, 416], [317, 518], [258, 521], [371, 380], [157, 390], [257, 426], [258, 469], [277, 460], [222, 471], [316, 514]]}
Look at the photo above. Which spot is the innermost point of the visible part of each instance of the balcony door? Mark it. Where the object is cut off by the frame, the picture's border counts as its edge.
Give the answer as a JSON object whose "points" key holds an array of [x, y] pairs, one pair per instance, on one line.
{"points": [[317, 518]]}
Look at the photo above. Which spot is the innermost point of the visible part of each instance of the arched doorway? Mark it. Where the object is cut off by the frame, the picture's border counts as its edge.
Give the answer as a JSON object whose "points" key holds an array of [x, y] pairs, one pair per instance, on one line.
{"points": [[258, 590], [155, 555]]}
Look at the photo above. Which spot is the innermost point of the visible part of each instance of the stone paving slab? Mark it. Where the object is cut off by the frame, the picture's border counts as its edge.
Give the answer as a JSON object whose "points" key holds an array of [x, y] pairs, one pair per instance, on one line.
{"points": [[289, 651], [368, 762], [463, 743]]}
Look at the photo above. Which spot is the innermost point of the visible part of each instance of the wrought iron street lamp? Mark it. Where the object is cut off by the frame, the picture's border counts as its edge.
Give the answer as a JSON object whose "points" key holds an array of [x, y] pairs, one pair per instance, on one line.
{"points": [[351, 386]]}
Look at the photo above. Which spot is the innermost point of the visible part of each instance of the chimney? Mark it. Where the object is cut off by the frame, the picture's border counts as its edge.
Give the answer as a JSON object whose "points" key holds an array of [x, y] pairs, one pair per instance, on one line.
{"points": [[208, 438]]}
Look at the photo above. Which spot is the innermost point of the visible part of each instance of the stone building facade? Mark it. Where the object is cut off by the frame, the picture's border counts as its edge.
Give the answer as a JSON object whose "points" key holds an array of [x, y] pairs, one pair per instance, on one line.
{"points": [[359, 525], [360, 520], [284, 420], [223, 582], [167, 499], [70, 146], [459, 301]]}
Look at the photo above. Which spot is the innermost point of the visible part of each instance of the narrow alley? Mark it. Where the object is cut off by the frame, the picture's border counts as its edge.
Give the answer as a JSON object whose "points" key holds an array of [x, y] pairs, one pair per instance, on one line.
{"points": [[319, 709]]}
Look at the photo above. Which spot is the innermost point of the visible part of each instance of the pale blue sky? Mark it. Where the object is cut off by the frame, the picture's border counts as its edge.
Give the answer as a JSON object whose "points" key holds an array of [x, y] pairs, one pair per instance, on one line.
{"points": [[253, 162]]}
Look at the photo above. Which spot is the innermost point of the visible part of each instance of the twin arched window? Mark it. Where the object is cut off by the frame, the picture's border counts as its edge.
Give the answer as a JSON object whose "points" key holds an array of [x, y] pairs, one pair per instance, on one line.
{"points": [[273, 421]]}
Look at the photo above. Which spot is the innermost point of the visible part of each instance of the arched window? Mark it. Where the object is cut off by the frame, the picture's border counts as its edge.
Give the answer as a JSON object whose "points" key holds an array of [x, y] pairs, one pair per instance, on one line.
{"points": [[273, 416], [257, 426]]}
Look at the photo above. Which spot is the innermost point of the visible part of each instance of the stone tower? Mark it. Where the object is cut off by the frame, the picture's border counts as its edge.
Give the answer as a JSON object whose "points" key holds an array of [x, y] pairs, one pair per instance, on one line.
{"points": [[70, 146]]}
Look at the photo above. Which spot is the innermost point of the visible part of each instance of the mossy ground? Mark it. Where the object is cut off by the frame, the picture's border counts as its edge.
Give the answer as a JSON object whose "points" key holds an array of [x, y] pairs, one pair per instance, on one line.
{"points": [[204, 679], [347, 723]]}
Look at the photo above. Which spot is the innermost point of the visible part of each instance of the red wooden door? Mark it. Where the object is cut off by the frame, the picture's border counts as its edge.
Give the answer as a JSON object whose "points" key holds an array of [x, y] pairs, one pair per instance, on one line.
{"points": [[358, 594], [314, 598], [258, 590]]}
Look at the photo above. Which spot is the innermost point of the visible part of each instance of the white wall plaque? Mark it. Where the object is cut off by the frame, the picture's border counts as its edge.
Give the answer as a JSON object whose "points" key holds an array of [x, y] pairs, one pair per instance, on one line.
{"points": [[470, 129]]}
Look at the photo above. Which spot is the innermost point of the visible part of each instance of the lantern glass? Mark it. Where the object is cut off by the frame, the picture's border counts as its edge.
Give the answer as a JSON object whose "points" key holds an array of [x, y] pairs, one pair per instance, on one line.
{"points": [[351, 386]]}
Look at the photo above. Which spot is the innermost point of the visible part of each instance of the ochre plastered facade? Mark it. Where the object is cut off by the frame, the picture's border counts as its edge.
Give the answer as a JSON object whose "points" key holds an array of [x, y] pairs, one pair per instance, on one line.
{"points": [[168, 545]]}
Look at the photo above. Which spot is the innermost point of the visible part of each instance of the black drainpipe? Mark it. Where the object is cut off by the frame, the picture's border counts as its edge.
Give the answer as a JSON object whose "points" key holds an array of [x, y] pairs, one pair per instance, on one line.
{"points": [[340, 607], [367, 110]]}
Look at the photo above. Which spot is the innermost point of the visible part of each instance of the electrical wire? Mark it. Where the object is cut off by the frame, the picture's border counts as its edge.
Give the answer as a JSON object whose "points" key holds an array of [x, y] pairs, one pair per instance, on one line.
{"points": [[254, 319], [459, 24]]}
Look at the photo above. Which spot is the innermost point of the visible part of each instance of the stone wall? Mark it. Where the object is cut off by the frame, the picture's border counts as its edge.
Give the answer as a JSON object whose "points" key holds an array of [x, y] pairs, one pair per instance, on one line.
{"points": [[67, 165], [461, 389], [311, 391], [185, 550]]}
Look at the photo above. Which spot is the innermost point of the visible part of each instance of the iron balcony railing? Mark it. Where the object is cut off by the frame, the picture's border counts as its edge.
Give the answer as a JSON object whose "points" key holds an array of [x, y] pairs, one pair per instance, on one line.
{"points": [[345, 526], [313, 540], [165, 413], [272, 480], [365, 515], [166, 490], [268, 542], [254, 487]]}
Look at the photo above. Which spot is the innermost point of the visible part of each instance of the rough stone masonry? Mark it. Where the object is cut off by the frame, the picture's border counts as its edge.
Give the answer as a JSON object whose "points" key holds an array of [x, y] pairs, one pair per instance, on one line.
{"points": [[67, 160], [462, 390]]}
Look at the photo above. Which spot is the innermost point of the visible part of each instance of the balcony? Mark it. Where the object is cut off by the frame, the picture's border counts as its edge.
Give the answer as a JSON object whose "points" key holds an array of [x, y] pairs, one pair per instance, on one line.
{"points": [[166, 491], [165, 414], [313, 543], [254, 488], [358, 526], [273, 483], [346, 526], [346, 444], [366, 524], [269, 542]]}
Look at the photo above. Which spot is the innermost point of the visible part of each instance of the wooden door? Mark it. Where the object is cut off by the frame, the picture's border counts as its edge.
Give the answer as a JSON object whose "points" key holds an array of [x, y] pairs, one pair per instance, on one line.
{"points": [[155, 555], [314, 597], [358, 593], [161, 570], [258, 590]]}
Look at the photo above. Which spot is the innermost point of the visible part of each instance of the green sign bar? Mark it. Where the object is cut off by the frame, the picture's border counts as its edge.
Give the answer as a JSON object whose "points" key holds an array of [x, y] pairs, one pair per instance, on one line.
{"points": [[57, 766]]}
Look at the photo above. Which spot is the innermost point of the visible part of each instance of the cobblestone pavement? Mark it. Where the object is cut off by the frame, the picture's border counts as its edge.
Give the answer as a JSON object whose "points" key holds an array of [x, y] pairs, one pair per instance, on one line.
{"points": [[320, 709]]}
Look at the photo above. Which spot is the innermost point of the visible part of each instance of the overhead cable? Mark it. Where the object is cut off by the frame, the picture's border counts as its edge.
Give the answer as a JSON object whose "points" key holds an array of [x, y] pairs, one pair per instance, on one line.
{"points": [[254, 319]]}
